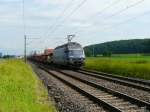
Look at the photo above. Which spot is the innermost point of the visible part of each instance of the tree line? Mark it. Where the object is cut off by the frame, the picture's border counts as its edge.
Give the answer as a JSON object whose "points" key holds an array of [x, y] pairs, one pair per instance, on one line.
{"points": [[119, 47]]}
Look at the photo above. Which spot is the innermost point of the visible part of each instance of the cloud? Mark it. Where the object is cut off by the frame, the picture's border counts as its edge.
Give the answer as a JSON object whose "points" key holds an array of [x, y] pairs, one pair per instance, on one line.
{"points": [[6, 2], [51, 2], [89, 22]]}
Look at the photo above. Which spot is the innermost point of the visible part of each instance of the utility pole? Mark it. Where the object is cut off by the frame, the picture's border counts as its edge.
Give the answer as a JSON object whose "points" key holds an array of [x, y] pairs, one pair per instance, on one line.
{"points": [[25, 37], [26, 45], [25, 48], [70, 37]]}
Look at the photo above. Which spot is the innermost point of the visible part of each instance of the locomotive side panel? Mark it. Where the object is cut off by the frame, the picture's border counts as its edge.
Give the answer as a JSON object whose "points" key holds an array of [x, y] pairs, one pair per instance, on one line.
{"points": [[60, 56], [70, 54]]}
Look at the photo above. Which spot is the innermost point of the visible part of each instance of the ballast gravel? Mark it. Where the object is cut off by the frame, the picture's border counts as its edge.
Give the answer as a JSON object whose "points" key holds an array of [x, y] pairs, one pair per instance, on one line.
{"points": [[66, 99], [140, 94]]}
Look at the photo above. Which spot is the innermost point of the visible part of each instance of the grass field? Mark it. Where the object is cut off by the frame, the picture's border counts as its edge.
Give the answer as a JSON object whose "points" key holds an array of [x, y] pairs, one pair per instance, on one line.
{"points": [[20, 89], [137, 66], [1, 60]]}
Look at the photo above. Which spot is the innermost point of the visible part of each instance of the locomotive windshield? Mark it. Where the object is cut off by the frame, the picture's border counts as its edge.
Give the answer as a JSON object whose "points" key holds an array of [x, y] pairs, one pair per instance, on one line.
{"points": [[76, 52]]}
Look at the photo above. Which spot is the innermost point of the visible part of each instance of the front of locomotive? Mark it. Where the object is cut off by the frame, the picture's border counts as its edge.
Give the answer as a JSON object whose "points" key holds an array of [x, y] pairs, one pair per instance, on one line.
{"points": [[76, 56]]}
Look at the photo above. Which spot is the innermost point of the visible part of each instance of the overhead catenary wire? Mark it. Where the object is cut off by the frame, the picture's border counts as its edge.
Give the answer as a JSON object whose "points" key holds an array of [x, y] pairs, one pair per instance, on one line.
{"points": [[103, 10], [61, 15], [24, 23], [108, 7], [68, 16], [76, 9], [81, 3], [26, 38], [115, 14], [127, 20], [124, 9]]}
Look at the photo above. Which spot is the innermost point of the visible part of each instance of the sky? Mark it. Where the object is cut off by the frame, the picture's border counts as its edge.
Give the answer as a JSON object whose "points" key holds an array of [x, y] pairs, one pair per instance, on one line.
{"points": [[48, 22]]}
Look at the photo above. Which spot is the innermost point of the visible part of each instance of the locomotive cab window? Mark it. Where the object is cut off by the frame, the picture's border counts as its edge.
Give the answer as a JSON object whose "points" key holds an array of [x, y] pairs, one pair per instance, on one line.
{"points": [[75, 52]]}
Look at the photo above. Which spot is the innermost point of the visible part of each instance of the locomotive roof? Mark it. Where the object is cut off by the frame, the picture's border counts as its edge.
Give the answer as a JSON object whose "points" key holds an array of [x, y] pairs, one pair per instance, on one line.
{"points": [[65, 45]]}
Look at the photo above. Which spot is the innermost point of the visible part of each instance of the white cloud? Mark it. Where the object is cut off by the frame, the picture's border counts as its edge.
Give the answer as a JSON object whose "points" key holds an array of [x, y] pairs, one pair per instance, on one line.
{"points": [[89, 21], [51, 2]]}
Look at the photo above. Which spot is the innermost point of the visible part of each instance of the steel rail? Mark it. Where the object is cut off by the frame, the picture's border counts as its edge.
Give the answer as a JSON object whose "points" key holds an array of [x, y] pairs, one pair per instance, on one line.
{"points": [[113, 78], [116, 79], [133, 100], [91, 97], [136, 80]]}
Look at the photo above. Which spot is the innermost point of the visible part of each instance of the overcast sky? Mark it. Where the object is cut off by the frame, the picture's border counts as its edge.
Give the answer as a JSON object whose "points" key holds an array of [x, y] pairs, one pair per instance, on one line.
{"points": [[92, 21]]}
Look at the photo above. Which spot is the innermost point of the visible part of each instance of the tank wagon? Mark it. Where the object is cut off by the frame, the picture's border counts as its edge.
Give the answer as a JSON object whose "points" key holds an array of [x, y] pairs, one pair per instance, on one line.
{"points": [[70, 54]]}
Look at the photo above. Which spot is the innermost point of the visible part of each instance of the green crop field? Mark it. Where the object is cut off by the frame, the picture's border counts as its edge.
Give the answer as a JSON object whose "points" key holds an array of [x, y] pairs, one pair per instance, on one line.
{"points": [[137, 66], [21, 90]]}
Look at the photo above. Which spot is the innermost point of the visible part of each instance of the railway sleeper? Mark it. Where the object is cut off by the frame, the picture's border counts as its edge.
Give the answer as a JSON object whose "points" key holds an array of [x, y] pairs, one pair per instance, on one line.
{"points": [[104, 100], [104, 96], [108, 98]]}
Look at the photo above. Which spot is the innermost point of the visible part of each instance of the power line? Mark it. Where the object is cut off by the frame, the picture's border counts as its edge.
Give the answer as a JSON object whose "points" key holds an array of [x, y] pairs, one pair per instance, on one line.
{"points": [[68, 16], [61, 14], [24, 26], [103, 10], [81, 3], [78, 7], [128, 20], [120, 11], [124, 9], [108, 7]]}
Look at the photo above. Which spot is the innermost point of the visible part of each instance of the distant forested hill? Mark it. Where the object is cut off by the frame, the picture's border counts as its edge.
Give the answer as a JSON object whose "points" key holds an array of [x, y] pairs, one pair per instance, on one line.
{"points": [[119, 47]]}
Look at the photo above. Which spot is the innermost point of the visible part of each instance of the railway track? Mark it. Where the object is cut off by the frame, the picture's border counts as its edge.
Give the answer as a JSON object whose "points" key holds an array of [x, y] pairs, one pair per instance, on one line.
{"points": [[135, 80], [111, 100], [135, 83]]}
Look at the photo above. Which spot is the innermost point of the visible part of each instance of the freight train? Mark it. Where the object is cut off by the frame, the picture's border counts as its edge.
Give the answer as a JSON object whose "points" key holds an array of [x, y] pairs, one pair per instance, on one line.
{"points": [[70, 54]]}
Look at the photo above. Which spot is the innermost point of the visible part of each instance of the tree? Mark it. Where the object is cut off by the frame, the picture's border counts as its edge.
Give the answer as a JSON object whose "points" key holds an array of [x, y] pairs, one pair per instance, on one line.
{"points": [[119, 47]]}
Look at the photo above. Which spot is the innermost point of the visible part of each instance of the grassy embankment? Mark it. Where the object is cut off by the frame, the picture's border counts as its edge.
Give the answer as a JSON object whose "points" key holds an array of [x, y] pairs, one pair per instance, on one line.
{"points": [[137, 66], [21, 90]]}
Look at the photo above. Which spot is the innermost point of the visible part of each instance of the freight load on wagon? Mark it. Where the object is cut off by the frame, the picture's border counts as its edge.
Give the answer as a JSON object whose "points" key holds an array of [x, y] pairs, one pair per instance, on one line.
{"points": [[44, 57]]}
